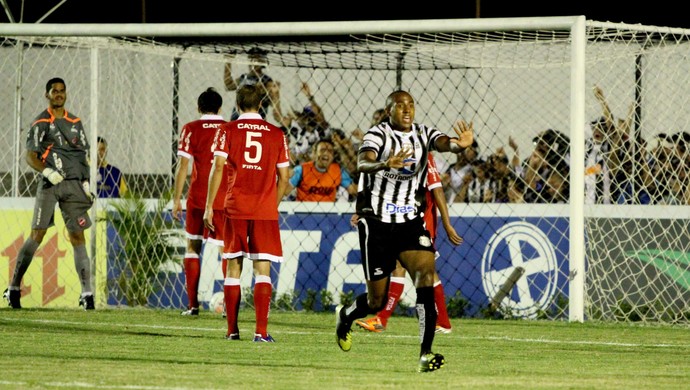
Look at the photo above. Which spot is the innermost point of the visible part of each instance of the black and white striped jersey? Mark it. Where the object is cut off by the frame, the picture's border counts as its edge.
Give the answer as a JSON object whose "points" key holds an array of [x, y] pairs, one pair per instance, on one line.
{"points": [[393, 195]]}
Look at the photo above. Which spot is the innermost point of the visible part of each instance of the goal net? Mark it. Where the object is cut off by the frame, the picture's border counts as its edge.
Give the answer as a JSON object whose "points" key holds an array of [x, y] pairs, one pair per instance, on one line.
{"points": [[578, 182]]}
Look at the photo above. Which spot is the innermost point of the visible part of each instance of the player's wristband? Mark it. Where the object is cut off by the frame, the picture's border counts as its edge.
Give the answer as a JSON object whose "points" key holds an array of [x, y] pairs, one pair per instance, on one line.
{"points": [[455, 148]]}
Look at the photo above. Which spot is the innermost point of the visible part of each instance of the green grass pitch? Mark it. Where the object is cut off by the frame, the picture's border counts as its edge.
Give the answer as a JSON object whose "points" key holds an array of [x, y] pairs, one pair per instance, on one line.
{"points": [[159, 349]]}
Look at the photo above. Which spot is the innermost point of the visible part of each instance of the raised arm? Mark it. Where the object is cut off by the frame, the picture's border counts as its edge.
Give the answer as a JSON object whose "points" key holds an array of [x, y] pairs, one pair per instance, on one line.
{"points": [[283, 120], [515, 161], [318, 112], [465, 138], [605, 108], [230, 83]]}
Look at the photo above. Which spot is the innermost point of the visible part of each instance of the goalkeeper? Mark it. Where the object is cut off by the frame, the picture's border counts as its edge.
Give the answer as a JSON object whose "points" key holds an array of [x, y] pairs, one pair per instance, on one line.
{"points": [[57, 148]]}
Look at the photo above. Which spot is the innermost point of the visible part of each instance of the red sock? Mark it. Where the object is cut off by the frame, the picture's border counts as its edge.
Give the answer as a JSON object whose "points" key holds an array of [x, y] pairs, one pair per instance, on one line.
{"points": [[441, 310], [395, 290], [262, 303], [192, 269], [224, 267], [233, 294]]}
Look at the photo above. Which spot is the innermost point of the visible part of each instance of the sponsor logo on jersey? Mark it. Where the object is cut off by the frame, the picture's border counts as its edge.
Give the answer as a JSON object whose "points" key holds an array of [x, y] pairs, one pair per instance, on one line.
{"points": [[395, 176], [252, 126], [391, 208]]}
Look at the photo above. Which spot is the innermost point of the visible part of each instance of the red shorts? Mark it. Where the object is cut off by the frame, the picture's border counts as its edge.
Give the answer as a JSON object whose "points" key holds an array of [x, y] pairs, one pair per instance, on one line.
{"points": [[255, 240], [195, 229]]}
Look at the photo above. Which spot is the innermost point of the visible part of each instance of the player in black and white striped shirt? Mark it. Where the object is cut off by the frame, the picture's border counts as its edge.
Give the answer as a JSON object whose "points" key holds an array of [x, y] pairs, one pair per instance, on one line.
{"points": [[392, 163]]}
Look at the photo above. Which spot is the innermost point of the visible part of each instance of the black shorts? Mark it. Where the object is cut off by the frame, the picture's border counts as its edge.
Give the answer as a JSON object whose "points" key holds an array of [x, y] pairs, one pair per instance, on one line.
{"points": [[381, 244]]}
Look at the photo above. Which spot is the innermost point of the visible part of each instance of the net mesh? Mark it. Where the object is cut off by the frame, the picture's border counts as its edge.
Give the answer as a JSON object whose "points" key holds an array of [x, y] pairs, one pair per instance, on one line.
{"points": [[510, 201]]}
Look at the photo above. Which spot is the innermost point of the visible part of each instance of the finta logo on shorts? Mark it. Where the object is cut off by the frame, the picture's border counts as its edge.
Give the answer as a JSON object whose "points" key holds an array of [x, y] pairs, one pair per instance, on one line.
{"points": [[252, 126], [395, 209]]}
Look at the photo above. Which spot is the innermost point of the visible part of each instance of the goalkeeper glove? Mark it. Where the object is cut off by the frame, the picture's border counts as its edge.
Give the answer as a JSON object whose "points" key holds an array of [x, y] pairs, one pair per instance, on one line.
{"points": [[53, 176], [87, 190]]}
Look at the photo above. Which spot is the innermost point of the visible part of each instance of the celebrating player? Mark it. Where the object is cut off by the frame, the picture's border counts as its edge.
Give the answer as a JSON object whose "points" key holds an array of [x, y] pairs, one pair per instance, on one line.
{"points": [[392, 162], [435, 200]]}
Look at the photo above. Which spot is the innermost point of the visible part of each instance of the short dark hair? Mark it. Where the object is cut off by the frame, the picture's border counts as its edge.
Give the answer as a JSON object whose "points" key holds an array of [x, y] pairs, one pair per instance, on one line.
{"points": [[557, 145], [390, 100], [209, 101], [52, 81], [101, 139], [249, 97], [257, 56]]}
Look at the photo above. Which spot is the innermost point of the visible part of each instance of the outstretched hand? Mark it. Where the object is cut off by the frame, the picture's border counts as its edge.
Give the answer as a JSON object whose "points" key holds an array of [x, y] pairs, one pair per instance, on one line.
{"points": [[465, 133], [397, 160]]}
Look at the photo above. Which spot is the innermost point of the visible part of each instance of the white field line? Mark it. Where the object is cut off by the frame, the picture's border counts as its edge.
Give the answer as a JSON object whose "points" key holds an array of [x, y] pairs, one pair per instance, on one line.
{"points": [[85, 385], [494, 338]]}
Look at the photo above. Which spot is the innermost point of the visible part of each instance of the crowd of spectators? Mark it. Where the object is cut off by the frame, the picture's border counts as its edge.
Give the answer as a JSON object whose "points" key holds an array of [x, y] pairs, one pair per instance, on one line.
{"points": [[620, 166]]}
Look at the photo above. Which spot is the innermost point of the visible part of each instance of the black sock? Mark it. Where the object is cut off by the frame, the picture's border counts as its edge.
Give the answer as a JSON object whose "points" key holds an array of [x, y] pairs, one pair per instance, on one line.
{"points": [[426, 314], [358, 309]]}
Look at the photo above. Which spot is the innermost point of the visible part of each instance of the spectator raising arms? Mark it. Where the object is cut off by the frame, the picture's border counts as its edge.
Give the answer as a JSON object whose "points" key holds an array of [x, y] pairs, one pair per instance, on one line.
{"points": [[551, 151], [255, 76], [304, 128]]}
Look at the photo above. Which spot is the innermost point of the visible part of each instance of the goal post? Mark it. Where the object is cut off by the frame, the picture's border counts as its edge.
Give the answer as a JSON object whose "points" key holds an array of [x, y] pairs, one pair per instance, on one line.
{"points": [[525, 83]]}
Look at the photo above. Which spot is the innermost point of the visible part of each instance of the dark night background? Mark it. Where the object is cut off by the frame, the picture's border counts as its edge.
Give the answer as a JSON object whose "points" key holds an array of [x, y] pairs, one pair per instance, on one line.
{"points": [[657, 13]]}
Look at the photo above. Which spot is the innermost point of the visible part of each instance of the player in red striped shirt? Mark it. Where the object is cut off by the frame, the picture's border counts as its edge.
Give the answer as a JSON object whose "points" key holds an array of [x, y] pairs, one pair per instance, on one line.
{"points": [[196, 140], [257, 156]]}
